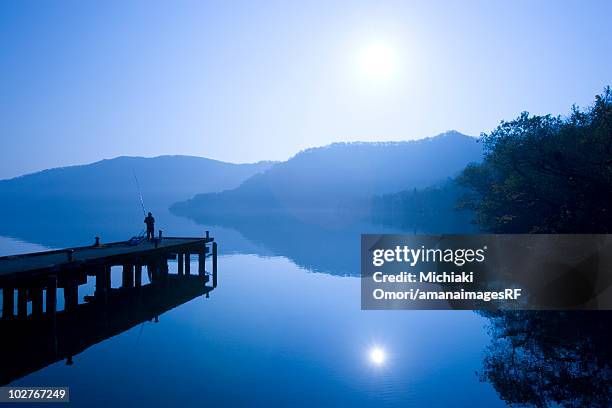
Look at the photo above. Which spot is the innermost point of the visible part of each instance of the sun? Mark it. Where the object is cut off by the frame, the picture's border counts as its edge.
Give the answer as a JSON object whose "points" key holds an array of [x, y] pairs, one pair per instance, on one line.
{"points": [[377, 61]]}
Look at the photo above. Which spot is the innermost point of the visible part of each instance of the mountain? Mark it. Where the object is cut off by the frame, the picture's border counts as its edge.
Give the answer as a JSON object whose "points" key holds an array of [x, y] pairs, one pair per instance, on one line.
{"points": [[103, 198], [341, 176], [433, 210], [161, 179]]}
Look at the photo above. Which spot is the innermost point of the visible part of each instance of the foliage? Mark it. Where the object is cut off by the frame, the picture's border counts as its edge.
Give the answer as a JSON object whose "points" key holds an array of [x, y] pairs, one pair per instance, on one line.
{"points": [[429, 210], [545, 174]]}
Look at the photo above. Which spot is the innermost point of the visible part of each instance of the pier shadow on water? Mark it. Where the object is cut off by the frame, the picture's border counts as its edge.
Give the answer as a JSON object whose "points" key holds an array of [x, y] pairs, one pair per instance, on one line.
{"points": [[39, 328]]}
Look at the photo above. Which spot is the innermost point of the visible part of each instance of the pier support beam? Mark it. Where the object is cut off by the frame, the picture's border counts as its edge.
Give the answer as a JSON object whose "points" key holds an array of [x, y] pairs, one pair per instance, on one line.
{"points": [[127, 277], [71, 296], [102, 283], [138, 275], [151, 272], [214, 262], [22, 302], [181, 263], [8, 302], [36, 293], [187, 263], [157, 269], [201, 264], [163, 269], [51, 300], [107, 275]]}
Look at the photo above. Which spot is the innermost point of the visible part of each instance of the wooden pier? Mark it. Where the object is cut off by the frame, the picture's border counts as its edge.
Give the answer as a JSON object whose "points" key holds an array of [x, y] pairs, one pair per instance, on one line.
{"points": [[31, 274], [35, 333]]}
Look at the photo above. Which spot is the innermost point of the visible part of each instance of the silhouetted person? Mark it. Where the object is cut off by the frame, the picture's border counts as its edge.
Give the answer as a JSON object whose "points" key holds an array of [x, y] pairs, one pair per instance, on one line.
{"points": [[150, 221]]}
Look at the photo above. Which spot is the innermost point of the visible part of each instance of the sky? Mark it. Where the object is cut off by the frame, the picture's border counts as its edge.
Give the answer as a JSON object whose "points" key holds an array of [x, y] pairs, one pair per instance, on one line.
{"points": [[238, 81]]}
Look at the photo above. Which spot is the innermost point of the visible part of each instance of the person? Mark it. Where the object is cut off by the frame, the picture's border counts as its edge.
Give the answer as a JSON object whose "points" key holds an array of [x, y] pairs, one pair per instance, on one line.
{"points": [[150, 221]]}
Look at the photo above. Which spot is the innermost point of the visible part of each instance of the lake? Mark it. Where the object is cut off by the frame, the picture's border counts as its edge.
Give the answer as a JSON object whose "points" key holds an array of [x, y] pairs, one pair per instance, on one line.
{"points": [[283, 327]]}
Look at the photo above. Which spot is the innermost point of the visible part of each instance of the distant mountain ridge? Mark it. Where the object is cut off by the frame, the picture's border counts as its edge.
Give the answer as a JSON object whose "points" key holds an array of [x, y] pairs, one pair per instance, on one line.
{"points": [[71, 205], [161, 179], [342, 176]]}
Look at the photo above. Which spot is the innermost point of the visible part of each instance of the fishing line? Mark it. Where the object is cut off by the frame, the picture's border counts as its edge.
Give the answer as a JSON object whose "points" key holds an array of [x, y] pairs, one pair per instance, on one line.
{"points": [[144, 212]]}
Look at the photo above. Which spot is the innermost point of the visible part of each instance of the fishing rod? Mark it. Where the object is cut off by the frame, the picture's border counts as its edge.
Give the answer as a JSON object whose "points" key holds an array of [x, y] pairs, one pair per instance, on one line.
{"points": [[144, 212]]}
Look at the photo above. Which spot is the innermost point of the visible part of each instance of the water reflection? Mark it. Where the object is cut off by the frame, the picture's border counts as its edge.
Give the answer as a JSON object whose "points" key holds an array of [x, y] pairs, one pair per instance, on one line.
{"points": [[37, 333], [546, 358], [324, 242], [275, 318], [377, 355]]}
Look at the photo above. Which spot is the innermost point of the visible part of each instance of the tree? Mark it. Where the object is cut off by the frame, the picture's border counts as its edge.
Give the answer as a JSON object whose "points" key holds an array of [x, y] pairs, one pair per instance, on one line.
{"points": [[545, 174]]}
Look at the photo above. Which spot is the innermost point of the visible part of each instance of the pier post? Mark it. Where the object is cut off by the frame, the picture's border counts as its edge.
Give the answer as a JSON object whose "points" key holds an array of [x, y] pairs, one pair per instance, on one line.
{"points": [[102, 283], [51, 300], [163, 269], [214, 262], [71, 296], [151, 271], [8, 302], [181, 263], [201, 263], [127, 277], [107, 276], [138, 275], [36, 294], [22, 302], [187, 263]]}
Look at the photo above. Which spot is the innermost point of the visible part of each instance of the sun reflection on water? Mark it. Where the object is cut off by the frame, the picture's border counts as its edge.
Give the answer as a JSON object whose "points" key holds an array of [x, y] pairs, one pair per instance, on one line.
{"points": [[377, 355]]}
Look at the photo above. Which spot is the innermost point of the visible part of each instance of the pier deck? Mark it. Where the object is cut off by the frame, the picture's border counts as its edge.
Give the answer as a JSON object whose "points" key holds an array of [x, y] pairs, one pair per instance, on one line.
{"points": [[112, 253]]}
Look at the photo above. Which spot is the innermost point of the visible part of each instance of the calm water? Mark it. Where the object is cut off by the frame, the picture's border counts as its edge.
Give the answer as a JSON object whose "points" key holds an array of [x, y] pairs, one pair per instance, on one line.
{"points": [[284, 327]]}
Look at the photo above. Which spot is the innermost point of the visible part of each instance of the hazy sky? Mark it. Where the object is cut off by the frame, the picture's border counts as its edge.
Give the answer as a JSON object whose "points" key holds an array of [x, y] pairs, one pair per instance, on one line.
{"points": [[247, 81]]}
